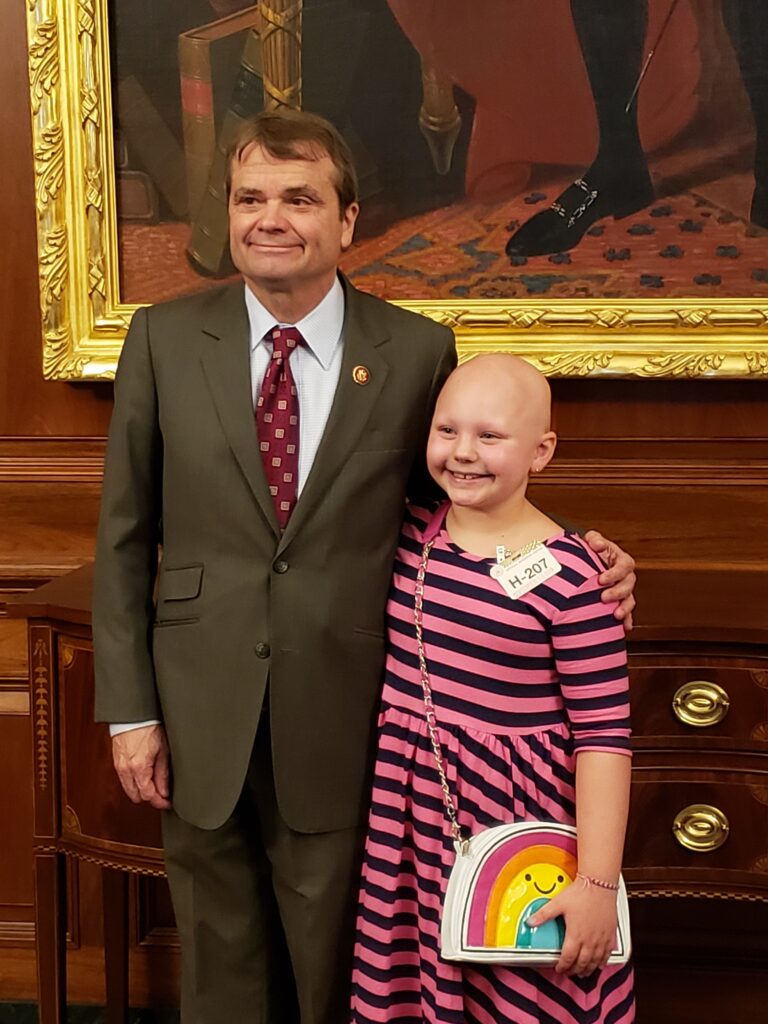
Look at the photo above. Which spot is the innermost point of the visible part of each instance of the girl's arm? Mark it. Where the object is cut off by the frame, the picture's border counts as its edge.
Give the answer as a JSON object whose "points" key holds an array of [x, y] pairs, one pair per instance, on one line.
{"points": [[602, 803], [591, 661]]}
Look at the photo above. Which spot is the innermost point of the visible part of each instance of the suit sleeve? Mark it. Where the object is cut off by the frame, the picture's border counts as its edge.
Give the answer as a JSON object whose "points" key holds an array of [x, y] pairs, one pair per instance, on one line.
{"points": [[127, 540], [422, 489]]}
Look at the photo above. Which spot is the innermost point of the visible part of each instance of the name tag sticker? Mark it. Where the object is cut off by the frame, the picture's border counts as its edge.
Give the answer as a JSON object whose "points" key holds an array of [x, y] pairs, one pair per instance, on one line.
{"points": [[521, 573]]}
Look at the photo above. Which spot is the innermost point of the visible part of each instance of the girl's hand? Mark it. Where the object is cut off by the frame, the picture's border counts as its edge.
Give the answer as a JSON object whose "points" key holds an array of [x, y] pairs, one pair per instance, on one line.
{"points": [[591, 921]]}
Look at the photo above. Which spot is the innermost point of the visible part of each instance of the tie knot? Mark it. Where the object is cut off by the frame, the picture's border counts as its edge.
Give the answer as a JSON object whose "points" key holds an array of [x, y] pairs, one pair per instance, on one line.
{"points": [[284, 340]]}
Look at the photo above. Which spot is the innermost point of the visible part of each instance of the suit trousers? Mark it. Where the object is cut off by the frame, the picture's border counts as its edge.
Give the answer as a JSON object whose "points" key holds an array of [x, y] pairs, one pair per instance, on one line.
{"points": [[266, 915]]}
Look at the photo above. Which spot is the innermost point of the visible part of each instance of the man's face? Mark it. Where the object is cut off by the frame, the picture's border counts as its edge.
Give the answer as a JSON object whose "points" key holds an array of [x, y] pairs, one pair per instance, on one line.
{"points": [[286, 229]]}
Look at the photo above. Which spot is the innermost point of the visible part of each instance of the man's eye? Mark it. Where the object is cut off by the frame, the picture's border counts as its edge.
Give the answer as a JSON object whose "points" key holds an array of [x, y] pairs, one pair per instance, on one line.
{"points": [[488, 436], [445, 430]]}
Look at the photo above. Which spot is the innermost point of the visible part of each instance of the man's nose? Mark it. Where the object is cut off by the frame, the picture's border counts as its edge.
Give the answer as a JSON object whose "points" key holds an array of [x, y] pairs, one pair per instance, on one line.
{"points": [[272, 216]]}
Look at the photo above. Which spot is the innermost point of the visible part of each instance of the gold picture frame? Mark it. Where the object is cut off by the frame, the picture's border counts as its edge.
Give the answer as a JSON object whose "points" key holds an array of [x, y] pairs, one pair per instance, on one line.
{"points": [[84, 320]]}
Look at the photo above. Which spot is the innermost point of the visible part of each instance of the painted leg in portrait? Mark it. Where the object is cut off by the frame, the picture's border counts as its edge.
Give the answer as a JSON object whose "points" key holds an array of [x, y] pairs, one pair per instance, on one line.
{"points": [[747, 24], [611, 36]]}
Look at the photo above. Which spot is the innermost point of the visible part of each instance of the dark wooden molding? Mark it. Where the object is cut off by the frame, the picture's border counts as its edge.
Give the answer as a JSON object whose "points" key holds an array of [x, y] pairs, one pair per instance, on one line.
{"points": [[51, 460], [17, 933]]}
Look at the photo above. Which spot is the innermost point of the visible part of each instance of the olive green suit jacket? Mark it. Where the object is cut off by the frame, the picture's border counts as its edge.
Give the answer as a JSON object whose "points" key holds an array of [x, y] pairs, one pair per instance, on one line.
{"points": [[234, 603]]}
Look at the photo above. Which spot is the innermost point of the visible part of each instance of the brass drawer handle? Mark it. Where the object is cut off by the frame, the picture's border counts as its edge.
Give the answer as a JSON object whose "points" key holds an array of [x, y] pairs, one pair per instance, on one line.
{"points": [[701, 828], [700, 703]]}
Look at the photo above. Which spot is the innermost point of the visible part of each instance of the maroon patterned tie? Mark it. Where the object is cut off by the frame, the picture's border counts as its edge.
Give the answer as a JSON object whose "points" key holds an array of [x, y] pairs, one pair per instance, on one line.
{"points": [[277, 422]]}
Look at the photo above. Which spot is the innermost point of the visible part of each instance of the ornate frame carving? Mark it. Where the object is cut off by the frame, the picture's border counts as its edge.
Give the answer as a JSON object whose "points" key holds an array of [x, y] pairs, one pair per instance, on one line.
{"points": [[84, 320]]}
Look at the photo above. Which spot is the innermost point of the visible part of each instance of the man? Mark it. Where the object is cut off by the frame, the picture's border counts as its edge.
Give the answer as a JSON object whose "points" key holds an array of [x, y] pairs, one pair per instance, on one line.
{"points": [[263, 651], [617, 184]]}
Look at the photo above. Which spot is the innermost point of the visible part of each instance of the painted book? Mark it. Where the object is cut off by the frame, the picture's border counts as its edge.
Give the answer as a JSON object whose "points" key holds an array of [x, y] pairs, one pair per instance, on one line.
{"points": [[209, 61]]}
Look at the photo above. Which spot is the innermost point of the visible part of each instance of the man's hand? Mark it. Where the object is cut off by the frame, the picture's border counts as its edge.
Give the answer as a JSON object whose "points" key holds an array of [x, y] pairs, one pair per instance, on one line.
{"points": [[619, 577], [142, 762]]}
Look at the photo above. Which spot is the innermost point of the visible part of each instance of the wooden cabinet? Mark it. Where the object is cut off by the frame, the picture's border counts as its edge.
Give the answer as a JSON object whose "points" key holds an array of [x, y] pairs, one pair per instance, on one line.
{"points": [[80, 811], [700, 790], [696, 861]]}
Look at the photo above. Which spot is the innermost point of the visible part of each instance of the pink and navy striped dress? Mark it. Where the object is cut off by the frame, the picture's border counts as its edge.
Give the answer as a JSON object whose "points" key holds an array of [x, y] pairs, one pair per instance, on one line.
{"points": [[519, 686]]}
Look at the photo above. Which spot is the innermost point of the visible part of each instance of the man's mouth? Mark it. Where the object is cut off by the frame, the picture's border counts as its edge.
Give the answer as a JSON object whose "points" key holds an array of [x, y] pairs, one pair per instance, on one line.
{"points": [[272, 248]]}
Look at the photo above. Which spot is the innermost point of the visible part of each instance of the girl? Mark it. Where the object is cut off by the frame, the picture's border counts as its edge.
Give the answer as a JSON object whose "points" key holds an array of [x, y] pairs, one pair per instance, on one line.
{"points": [[530, 696]]}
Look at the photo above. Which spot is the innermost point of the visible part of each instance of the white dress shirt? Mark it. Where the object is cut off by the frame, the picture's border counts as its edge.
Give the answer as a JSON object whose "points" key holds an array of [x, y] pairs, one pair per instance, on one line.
{"points": [[315, 365]]}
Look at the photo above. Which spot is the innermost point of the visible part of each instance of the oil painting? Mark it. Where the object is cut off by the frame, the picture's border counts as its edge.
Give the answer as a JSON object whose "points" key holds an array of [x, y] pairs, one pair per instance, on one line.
{"points": [[584, 181], [651, 179]]}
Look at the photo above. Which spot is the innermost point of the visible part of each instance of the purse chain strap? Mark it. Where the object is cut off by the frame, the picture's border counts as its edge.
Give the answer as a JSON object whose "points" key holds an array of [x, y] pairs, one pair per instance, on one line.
{"points": [[460, 841]]}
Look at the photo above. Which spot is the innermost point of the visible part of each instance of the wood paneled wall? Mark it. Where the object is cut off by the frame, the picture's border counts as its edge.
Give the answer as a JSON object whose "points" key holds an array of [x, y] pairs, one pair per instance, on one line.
{"points": [[676, 470]]}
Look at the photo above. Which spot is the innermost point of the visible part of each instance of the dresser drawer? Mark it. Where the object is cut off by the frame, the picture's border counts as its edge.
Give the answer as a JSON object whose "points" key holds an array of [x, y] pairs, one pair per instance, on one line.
{"points": [[697, 828], [715, 702]]}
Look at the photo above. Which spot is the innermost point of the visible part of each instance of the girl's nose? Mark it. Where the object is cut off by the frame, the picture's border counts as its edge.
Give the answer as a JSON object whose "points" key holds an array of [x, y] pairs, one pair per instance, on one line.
{"points": [[465, 449]]}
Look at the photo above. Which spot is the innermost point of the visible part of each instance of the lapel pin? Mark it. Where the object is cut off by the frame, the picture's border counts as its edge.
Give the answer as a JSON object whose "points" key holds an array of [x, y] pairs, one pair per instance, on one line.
{"points": [[361, 375]]}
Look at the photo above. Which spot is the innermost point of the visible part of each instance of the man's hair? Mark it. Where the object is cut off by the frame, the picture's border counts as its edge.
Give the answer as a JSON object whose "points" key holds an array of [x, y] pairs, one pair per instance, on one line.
{"points": [[298, 135]]}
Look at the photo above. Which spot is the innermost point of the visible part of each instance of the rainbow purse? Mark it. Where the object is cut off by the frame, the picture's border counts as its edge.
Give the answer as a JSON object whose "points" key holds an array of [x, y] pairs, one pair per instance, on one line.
{"points": [[504, 874]]}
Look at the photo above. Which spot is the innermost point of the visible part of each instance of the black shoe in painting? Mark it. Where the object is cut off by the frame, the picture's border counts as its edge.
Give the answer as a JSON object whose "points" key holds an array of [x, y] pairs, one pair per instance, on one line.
{"points": [[564, 224]]}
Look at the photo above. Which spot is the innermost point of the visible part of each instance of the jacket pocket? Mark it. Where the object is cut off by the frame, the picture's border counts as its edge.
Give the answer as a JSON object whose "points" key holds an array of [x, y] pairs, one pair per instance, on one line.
{"points": [[176, 590], [164, 623], [180, 584]]}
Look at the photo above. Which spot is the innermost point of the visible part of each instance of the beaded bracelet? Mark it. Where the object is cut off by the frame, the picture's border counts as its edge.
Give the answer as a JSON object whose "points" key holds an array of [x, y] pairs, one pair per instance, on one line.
{"points": [[587, 880]]}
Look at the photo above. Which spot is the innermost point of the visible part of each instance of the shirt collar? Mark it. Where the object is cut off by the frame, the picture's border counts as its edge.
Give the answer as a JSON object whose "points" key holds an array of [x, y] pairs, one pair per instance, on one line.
{"points": [[320, 328]]}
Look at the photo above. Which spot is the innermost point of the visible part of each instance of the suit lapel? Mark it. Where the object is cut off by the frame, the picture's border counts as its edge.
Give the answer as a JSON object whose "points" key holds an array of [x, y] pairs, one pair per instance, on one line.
{"points": [[352, 406], [227, 365]]}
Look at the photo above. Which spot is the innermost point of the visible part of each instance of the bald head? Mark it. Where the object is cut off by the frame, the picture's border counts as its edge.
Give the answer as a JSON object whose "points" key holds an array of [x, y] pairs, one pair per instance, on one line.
{"points": [[503, 381], [489, 432]]}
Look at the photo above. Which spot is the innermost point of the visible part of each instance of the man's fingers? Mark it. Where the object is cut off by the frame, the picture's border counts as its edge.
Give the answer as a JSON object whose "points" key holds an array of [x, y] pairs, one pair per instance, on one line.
{"points": [[620, 577], [147, 791], [623, 613], [162, 774], [625, 608], [128, 783], [145, 781], [142, 763], [596, 541]]}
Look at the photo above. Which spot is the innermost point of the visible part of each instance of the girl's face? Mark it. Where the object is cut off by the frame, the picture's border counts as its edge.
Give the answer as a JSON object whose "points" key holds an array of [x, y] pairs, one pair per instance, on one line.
{"points": [[484, 441]]}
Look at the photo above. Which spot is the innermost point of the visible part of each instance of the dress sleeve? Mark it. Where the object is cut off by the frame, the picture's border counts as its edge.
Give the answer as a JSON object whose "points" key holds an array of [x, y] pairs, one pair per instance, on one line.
{"points": [[591, 661]]}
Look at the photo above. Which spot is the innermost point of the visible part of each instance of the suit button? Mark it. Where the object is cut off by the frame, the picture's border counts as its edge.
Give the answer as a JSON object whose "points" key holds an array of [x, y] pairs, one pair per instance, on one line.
{"points": [[262, 650], [280, 567]]}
